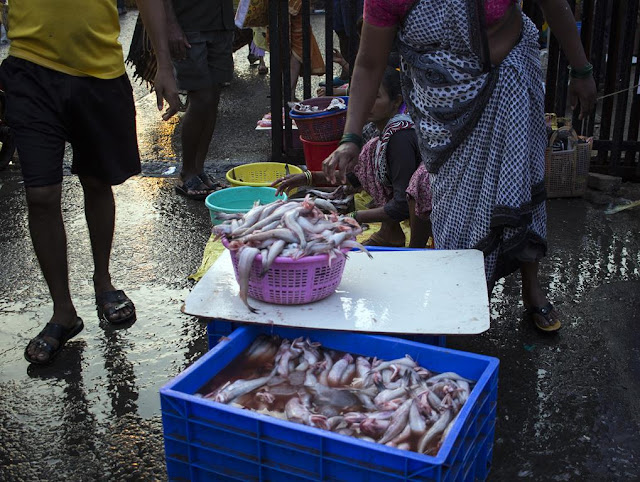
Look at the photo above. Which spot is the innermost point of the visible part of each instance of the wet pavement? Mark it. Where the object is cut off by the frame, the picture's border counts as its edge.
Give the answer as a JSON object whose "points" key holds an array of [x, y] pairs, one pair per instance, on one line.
{"points": [[568, 405]]}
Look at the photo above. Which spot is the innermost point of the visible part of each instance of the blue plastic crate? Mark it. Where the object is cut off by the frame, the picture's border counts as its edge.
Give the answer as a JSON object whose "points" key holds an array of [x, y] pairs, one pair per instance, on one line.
{"points": [[217, 329], [205, 440]]}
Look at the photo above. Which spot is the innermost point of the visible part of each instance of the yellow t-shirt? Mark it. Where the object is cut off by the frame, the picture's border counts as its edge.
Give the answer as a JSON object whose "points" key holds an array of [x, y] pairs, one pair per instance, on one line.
{"points": [[71, 36]]}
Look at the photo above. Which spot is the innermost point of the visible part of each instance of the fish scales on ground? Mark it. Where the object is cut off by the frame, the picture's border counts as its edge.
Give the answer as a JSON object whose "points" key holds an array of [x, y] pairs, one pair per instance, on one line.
{"points": [[292, 228], [397, 403]]}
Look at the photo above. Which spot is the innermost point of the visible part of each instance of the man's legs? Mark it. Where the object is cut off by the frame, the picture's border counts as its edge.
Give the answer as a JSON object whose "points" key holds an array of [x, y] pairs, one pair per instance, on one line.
{"points": [[198, 125], [50, 244], [100, 212]]}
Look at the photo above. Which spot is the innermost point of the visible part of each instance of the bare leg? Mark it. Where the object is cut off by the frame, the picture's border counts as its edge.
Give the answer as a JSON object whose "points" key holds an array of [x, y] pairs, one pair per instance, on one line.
{"points": [[420, 228], [197, 129], [100, 212], [344, 51], [211, 116], [295, 67], [262, 67], [50, 244], [391, 232], [532, 294]]}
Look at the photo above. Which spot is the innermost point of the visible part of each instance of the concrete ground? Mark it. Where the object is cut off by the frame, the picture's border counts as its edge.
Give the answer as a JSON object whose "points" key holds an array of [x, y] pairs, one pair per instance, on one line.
{"points": [[568, 406]]}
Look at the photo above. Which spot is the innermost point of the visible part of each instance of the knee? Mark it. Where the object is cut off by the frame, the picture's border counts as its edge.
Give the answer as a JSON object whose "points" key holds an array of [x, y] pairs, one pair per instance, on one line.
{"points": [[205, 100], [93, 186], [45, 198]]}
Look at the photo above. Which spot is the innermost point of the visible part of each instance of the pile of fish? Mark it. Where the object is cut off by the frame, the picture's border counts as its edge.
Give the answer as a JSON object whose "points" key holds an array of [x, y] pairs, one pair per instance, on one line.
{"points": [[292, 228], [397, 403], [341, 198]]}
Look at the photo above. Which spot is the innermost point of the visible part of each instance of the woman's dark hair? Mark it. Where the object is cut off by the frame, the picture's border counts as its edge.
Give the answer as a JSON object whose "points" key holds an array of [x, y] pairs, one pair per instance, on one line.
{"points": [[391, 82]]}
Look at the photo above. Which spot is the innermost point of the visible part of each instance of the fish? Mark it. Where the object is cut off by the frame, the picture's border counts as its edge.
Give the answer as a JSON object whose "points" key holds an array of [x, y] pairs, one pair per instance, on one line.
{"points": [[303, 384], [335, 375], [374, 428], [245, 262], [331, 396], [290, 220], [240, 387], [398, 422], [451, 375], [416, 420], [435, 430], [297, 412], [272, 253]]}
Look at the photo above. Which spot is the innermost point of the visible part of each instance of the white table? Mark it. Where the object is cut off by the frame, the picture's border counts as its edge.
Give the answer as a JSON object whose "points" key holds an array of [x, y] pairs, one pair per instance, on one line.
{"points": [[428, 292]]}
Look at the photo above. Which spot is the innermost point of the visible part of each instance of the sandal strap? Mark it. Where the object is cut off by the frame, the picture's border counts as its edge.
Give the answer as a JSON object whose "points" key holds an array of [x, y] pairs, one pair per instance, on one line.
{"points": [[194, 183], [53, 330], [114, 296], [543, 311], [117, 298]]}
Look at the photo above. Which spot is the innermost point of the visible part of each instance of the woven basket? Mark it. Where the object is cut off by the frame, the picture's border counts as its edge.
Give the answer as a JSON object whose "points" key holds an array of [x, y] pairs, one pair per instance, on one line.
{"points": [[322, 126], [567, 171], [293, 282]]}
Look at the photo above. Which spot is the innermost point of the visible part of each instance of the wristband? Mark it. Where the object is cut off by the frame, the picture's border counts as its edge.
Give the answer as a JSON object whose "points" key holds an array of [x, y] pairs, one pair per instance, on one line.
{"points": [[309, 177], [353, 138], [353, 214], [581, 73]]}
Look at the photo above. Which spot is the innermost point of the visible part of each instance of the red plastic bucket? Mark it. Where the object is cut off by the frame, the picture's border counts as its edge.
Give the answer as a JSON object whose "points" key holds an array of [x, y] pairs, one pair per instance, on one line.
{"points": [[316, 152]]}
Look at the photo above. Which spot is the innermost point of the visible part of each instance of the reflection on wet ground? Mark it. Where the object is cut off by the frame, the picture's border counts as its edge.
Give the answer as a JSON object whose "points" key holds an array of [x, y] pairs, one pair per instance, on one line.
{"points": [[568, 405]]}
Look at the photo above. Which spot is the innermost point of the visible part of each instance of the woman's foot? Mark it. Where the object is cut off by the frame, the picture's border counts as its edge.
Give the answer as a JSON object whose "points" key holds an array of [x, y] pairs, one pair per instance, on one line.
{"points": [[538, 309], [545, 317], [389, 234]]}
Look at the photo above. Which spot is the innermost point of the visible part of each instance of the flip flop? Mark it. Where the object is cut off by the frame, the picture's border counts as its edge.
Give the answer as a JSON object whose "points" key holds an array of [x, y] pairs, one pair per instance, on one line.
{"points": [[56, 331], [210, 183], [545, 312], [190, 188], [376, 239], [118, 300]]}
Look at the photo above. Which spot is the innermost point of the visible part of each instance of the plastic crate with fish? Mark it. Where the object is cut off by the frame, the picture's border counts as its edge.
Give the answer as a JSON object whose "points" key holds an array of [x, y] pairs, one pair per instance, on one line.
{"points": [[208, 440]]}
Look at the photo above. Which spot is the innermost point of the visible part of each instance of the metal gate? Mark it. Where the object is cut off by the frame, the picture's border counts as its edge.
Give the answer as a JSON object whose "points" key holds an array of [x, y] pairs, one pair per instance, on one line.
{"points": [[283, 145], [608, 32]]}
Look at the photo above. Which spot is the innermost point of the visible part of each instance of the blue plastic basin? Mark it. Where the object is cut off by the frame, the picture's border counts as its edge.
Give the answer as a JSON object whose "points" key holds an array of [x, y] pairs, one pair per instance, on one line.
{"points": [[239, 200]]}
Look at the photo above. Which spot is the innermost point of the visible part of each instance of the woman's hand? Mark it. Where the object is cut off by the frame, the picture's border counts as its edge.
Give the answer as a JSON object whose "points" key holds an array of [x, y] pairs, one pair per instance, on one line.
{"points": [[583, 91], [289, 182], [344, 159]]}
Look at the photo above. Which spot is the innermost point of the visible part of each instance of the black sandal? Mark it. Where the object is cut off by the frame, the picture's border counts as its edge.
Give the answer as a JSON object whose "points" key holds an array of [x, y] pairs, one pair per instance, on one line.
{"points": [[57, 332], [192, 189], [111, 302], [545, 312], [208, 181]]}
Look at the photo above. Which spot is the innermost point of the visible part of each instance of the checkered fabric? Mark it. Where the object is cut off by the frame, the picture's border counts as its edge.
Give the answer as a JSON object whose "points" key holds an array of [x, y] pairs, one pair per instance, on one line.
{"points": [[488, 192]]}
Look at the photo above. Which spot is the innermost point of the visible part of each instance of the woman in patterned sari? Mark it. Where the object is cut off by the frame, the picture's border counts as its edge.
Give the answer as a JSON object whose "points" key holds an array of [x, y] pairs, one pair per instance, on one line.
{"points": [[473, 84]]}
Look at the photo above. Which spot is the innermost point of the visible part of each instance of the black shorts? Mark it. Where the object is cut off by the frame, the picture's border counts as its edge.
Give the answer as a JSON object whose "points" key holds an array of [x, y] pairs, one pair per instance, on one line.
{"points": [[209, 61], [46, 108]]}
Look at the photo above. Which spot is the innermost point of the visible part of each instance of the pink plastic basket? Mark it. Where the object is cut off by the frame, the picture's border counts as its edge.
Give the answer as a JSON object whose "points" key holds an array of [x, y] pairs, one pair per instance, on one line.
{"points": [[293, 282]]}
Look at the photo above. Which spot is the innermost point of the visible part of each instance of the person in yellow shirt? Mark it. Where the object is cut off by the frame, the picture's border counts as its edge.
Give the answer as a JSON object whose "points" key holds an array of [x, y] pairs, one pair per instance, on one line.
{"points": [[65, 82]]}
